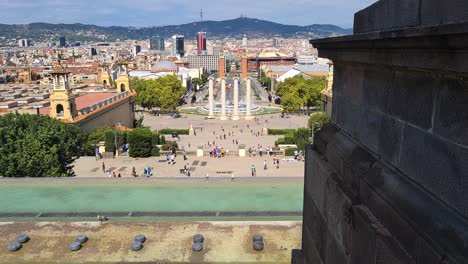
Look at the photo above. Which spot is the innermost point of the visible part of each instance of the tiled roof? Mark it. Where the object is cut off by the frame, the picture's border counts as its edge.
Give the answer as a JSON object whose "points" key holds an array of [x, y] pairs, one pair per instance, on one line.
{"points": [[84, 101]]}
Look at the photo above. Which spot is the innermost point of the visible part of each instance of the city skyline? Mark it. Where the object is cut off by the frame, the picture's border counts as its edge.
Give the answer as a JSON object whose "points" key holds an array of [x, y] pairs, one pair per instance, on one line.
{"points": [[148, 13]]}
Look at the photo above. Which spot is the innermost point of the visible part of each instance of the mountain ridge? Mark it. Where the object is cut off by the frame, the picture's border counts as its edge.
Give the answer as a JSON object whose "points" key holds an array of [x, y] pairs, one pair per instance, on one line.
{"points": [[225, 28]]}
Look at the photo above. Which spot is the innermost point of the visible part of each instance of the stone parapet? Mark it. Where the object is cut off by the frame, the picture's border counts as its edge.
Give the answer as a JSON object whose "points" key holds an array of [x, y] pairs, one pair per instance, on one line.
{"points": [[393, 14]]}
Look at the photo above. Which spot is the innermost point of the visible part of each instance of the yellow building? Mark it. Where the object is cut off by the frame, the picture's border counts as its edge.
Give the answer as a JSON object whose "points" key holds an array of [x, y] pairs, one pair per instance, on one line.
{"points": [[93, 109]]}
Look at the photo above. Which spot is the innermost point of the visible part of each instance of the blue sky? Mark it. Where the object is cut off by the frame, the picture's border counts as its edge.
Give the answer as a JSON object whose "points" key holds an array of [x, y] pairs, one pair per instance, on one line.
{"points": [[170, 12]]}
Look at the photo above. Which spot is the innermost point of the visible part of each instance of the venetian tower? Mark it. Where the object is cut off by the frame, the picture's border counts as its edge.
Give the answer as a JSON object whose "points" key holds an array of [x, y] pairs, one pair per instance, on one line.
{"points": [[244, 65], [221, 66], [62, 100]]}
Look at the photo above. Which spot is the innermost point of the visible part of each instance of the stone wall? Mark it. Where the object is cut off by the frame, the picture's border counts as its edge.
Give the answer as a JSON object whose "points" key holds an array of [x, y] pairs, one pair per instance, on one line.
{"points": [[387, 182]]}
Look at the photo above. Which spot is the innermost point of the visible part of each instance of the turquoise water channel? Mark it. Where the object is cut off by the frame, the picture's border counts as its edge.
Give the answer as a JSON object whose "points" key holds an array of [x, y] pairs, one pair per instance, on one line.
{"points": [[150, 198]]}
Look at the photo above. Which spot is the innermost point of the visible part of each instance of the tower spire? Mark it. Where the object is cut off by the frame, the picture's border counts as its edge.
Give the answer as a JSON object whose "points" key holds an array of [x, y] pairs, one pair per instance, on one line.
{"points": [[201, 15]]}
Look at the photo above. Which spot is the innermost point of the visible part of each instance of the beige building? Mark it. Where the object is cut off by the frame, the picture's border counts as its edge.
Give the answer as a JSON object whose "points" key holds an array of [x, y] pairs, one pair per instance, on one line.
{"points": [[91, 110]]}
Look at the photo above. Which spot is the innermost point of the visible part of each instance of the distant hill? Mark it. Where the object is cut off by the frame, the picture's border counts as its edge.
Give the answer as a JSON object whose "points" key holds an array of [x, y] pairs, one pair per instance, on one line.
{"points": [[227, 28]]}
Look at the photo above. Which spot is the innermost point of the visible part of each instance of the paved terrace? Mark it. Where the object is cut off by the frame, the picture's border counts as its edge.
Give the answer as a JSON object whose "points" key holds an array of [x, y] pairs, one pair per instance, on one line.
{"points": [[225, 242], [206, 130]]}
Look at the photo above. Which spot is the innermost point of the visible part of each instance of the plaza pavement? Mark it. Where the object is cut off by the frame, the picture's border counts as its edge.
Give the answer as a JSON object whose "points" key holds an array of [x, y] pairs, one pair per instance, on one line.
{"points": [[206, 130]]}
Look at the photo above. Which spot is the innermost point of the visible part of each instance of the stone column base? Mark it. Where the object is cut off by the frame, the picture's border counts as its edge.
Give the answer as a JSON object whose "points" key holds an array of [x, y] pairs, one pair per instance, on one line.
{"points": [[249, 117], [235, 118], [224, 118], [241, 152], [200, 153]]}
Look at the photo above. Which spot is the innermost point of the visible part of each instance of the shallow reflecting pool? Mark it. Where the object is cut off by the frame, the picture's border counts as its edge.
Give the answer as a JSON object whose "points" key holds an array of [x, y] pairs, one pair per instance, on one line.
{"points": [[168, 197]]}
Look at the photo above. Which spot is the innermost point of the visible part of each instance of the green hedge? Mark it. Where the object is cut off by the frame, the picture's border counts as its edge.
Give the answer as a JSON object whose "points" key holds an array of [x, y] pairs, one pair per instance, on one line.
{"points": [[286, 140], [140, 141], [276, 132], [155, 152], [302, 137], [156, 139], [109, 141], [290, 151], [169, 131]]}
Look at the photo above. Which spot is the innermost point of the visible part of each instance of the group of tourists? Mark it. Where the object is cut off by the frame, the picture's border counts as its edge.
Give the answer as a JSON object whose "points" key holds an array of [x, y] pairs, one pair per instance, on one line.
{"points": [[218, 152], [253, 151]]}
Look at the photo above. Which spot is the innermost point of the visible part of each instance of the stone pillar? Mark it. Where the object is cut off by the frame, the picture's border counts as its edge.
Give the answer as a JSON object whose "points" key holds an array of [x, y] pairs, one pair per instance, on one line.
{"points": [[200, 151], [235, 114], [191, 131], [210, 98], [223, 99], [241, 150], [248, 100]]}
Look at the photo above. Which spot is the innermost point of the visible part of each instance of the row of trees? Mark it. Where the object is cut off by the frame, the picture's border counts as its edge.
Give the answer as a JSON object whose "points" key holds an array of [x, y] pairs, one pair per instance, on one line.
{"points": [[164, 92], [299, 92], [38, 146]]}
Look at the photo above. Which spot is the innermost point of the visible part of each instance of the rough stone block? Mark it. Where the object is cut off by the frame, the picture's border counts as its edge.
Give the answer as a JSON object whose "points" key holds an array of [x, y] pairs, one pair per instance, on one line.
{"points": [[322, 137], [412, 98], [337, 214], [427, 254], [411, 213], [387, 251], [386, 15], [339, 78], [353, 81], [363, 251], [368, 129], [377, 83], [356, 167], [339, 149], [317, 173], [390, 137], [436, 12], [451, 113], [440, 166]]}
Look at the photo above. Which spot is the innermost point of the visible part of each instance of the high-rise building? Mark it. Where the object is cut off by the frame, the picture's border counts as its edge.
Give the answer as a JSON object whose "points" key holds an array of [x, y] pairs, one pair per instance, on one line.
{"points": [[244, 41], [157, 43], [24, 42], [207, 62], [92, 52], [178, 46], [275, 42], [136, 50], [62, 41], [201, 43]]}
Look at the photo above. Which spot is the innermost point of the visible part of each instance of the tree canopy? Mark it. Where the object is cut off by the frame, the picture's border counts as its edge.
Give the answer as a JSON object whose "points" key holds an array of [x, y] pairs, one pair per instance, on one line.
{"points": [[38, 146], [164, 92], [297, 92]]}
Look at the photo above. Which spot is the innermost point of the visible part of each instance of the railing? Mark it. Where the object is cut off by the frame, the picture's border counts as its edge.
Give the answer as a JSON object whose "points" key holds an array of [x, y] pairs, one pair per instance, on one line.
{"points": [[98, 105]]}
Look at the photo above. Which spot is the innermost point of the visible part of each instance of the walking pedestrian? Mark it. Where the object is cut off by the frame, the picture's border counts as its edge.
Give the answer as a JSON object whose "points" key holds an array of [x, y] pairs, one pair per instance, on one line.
{"points": [[173, 159], [103, 167], [96, 151], [254, 171], [265, 165]]}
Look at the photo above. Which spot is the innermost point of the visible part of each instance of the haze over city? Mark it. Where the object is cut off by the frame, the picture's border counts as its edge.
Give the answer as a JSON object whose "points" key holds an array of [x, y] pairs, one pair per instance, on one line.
{"points": [[161, 12]]}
